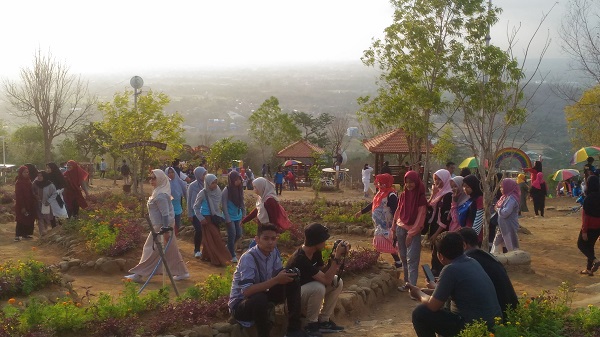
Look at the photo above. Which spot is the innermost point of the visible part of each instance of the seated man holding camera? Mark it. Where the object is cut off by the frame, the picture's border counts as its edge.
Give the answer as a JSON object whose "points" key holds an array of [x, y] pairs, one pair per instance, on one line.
{"points": [[320, 284], [259, 282], [465, 283]]}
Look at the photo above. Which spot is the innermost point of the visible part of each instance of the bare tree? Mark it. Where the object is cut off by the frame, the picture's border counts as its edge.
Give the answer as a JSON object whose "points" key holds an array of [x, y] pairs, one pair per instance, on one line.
{"points": [[336, 132], [580, 34], [52, 98]]}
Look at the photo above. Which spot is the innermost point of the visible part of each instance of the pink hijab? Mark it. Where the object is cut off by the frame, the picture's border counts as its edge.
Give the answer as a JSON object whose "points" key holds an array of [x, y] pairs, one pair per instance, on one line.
{"points": [[410, 201], [510, 188], [444, 176], [539, 180]]}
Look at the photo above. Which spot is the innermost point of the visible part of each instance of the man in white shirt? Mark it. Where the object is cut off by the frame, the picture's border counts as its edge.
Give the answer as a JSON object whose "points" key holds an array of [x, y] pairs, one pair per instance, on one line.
{"points": [[366, 178]]}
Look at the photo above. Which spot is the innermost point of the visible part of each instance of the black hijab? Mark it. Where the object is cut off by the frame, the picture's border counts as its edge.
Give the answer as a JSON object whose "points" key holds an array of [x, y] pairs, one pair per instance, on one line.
{"points": [[55, 176], [32, 171], [45, 182], [591, 203], [473, 182]]}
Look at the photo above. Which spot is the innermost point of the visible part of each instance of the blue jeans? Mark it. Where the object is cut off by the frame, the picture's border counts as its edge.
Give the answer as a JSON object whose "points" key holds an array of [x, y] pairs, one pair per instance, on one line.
{"points": [[410, 256], [234, 233]]}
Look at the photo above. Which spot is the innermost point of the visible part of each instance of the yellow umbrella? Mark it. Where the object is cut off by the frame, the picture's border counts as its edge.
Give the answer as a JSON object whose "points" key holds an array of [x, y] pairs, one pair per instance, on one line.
{"points": [[470, 162]]}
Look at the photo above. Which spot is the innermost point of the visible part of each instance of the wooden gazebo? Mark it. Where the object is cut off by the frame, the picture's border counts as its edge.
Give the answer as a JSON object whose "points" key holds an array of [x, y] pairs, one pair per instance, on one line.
{"points": [[393, 142], [303, 151]]}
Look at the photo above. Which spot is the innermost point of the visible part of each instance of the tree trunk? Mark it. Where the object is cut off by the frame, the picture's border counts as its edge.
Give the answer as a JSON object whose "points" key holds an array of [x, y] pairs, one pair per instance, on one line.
{"points": [[48, 149]]}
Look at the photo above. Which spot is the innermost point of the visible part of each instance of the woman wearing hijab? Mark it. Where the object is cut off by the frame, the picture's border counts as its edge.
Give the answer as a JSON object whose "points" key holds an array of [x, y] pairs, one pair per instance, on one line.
{"points": [[538, 193], [44, 190], [268, 209], [408, 222], [507, 208], [460, 205], [75, 179], [25, 205], [382, 208], [590, 225], [160, 211], [234, 210], [208, 203], [33, 171], [474, 217], [524, 189], [58, 202], [178, 190], [192, 192], [441, 203]]}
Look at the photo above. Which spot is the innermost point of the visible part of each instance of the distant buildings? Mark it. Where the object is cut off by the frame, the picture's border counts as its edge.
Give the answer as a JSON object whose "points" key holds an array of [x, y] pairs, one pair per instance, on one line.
{"points": [[352, 132]]}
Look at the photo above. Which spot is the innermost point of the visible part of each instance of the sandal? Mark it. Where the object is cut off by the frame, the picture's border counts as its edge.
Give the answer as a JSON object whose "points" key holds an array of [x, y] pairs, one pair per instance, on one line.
{"points": [[596, 266], [586, 272]]}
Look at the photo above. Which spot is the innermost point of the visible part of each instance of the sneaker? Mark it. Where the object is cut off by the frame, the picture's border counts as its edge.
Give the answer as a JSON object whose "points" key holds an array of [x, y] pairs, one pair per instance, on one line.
{"points": [[403, 288], [312, 329], [17, 238], [197, 255], [329, 326], [28, 237], [234, 260], [296, 333], [134, 277], [398, 264], [181, 277]]}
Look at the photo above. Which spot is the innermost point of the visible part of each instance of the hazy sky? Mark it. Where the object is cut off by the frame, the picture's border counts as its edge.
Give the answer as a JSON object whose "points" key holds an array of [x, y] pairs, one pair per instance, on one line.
{"points": [[133, 36]]}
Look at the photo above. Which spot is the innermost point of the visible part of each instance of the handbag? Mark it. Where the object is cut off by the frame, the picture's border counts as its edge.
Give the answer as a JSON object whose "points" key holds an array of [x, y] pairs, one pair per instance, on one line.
{"points": [[215, 219]]}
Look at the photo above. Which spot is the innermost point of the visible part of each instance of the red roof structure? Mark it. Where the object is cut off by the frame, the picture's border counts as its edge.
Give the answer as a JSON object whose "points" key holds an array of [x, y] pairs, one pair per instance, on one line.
{"points": [[301, 149], [392, 142]]}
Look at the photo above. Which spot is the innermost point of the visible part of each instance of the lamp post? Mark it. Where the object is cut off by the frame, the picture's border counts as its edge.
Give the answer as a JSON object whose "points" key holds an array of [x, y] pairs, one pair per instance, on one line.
{"points": [[3, 158]]}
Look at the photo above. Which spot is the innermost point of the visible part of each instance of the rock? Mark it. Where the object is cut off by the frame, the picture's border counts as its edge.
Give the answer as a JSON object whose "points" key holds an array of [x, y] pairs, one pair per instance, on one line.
{"points": [[110, 267], [204, 331], [186, 333], [74, 263], [100, 261], [364, 282], [65, 258], [222, 327], [222, 334], [90, 264], [523, 230], [121, 263], [68, 278], [64, 266]]}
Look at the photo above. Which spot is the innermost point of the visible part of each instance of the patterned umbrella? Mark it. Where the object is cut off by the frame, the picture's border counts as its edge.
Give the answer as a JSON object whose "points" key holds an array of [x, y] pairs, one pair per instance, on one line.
{"points": [[470, 162], [291, 162], [583, 154], [565, 174]]}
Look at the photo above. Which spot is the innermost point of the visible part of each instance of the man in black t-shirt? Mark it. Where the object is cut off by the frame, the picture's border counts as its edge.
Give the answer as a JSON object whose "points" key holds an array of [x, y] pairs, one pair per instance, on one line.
{"points": [[320, 284]]}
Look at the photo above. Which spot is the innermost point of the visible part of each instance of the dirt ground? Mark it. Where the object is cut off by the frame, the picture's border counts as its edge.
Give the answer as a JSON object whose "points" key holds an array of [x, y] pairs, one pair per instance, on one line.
{"points": [[552, 245]]}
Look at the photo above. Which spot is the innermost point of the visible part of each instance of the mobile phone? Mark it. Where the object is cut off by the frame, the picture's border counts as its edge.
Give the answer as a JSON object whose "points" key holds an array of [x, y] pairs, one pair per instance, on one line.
{"points": [[428, 273]]}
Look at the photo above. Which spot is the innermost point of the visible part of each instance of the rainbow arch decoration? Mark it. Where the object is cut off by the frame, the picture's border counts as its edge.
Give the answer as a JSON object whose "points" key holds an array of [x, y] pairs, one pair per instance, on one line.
{"points": [[513, 152]]}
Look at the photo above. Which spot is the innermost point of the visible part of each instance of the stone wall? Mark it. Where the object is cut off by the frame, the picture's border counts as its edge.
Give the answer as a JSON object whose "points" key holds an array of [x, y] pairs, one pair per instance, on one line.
{"points": [[356, 299]]}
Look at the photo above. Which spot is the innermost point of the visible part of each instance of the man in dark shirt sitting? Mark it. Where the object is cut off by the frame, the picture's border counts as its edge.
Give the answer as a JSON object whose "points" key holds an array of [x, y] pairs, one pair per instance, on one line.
{"points": [[320, 284], [465, 283], [507, 298], [259, 282]]}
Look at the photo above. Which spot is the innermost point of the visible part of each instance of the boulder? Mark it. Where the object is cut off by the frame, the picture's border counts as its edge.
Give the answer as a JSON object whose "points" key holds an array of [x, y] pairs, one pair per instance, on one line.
{"points": [[110, 267]]}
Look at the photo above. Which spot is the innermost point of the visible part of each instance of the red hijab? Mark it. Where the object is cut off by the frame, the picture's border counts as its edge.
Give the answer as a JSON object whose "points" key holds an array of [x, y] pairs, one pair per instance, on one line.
{"points": [[386, 186], [75, 175], [410, 201], [539, 180]]}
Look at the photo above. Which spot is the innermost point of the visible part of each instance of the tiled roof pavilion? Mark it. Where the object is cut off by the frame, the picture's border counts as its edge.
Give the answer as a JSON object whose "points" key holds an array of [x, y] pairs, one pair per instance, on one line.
{"points": [[299, 150]]}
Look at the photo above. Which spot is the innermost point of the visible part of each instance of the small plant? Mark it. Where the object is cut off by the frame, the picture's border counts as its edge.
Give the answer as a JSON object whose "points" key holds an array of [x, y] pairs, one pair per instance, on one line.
{"points": [[24, 277], [214, 287]]}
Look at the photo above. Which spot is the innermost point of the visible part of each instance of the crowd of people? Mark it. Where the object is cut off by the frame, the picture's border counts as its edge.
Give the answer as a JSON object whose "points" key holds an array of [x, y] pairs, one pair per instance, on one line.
{"points": [[449, 221]]}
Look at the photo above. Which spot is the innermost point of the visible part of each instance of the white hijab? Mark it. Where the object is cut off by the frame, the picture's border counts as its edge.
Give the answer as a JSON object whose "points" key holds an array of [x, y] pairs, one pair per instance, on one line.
{"points": [[162, 184], [265, 190], [213, 197], [462, 196]]}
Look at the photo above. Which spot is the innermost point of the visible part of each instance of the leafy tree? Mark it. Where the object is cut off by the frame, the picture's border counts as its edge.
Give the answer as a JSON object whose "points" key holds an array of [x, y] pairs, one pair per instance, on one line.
{"points": [[69, 149], [271, 128], [583, 119], [126, 124], [26, 145], [445, 149], [224, 151], [52, 98], [314, 129], [90, 139]]}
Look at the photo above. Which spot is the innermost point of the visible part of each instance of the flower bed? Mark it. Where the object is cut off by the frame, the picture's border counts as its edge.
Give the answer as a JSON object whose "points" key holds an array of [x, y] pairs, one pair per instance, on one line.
{"points": [[24, 277]]}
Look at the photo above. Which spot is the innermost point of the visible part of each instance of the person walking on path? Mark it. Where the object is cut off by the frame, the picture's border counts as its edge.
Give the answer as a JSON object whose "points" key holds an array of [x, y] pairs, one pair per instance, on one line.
{"points": [[178, 190], [195, 187], [279, 176], [590, 225], [507, 208], [234, 210], [103, 166], [160, 212], [538, 193], [207, 207], [75, 179], [366, 179], [524, 188], [25, 211]]}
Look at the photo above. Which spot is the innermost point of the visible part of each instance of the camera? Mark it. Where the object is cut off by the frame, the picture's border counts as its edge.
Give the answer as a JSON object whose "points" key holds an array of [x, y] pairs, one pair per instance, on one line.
{"points": [[341, 243], [294, 270]]}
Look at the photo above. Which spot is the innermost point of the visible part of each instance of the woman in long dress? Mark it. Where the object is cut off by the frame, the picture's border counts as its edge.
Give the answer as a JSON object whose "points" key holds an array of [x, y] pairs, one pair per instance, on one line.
{"points": [[441, 203], [25, 210], [192, 192], [508, 217], [590, 225], [208, 203], [524, 188], [160, 211], [75, 179], [44, 190], [178, 191], [234, 210]]}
